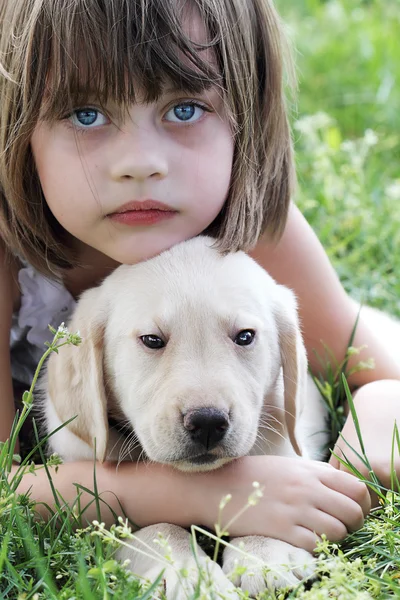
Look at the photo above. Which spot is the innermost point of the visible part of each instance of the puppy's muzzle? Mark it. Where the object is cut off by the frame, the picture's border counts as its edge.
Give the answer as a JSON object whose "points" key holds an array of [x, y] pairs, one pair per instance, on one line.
{"points": [[206, 426]]}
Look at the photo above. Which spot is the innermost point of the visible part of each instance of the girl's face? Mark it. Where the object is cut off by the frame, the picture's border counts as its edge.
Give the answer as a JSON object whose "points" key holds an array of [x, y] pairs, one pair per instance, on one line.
{"points": [[132, 187]]}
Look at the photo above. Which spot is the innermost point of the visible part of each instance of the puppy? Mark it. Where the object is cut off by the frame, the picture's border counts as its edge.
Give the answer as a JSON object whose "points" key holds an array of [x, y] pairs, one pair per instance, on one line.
{"points": [[196, 351]]}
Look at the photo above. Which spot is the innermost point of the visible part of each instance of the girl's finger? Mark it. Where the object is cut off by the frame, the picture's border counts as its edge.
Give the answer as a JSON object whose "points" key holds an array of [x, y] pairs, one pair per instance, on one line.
{"points": [[341, 508], [348, 485], [305, 538]]}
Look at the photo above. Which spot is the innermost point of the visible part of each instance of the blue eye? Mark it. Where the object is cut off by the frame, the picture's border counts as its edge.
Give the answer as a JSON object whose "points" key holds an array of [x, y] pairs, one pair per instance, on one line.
{"points": [[86, 117], [185, 112]]}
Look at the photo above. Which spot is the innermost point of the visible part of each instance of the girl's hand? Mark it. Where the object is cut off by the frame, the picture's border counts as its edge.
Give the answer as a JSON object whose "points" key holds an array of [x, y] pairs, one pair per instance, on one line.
{"points": [[302, 499], [377, 406]]}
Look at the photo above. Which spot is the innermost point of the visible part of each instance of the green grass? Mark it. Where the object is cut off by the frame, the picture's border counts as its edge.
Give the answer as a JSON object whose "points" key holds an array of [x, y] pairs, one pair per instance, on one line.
{"points": [[347, 61], [347, 137]]}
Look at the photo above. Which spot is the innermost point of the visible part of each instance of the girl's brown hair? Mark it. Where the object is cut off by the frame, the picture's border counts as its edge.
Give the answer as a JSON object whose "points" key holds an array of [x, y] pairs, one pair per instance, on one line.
{"points": [[42, 75]]}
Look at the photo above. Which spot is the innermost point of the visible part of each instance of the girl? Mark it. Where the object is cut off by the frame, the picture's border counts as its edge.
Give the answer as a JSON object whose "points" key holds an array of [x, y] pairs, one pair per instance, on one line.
{"points": [[173, 108]]}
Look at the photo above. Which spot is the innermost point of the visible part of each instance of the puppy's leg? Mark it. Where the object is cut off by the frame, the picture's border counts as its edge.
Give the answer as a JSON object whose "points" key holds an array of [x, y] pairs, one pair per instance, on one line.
{"points": [[181, 568], [271, 564]]}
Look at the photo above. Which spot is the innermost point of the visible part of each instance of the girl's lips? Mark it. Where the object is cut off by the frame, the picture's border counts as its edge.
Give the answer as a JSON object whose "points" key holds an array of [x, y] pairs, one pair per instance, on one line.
{"points": [[142, 217], [143, 205], [146, 212]]}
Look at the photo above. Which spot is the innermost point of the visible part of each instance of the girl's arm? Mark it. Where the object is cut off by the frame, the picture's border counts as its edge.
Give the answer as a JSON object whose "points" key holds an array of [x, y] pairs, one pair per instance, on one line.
{"points": [[301, 498], [8, 299], [326, 312], [328, 315]]}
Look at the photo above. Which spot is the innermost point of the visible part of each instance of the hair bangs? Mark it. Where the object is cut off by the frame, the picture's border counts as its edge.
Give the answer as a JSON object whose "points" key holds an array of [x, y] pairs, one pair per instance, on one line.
{"points": [[116, 50]]}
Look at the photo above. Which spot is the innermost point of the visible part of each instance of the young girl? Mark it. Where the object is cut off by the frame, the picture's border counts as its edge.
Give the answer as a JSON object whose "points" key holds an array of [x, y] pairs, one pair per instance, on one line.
{"points": [[127, 127]]}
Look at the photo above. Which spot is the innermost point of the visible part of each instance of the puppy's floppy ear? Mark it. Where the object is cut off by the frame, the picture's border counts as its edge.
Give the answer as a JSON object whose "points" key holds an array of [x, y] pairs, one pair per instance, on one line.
{"points": [[294, 361], [75, 376]]}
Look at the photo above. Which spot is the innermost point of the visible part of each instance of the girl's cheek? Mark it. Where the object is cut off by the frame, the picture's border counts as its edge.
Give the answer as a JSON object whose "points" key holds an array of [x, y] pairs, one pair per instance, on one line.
{"points": [[205, 132], [91, 143]]}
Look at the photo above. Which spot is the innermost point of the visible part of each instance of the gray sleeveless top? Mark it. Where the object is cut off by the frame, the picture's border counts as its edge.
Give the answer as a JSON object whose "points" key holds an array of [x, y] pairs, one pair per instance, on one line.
{"points": [[43, 302]]}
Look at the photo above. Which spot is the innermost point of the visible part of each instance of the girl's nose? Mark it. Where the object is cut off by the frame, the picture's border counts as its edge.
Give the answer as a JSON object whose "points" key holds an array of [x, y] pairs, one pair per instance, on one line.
{"points": [[138, 154]]}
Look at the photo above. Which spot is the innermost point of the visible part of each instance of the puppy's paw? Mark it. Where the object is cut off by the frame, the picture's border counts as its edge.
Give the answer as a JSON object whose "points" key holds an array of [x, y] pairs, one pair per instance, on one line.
{"points": [[270, 564], [184, 581], [167, 548]]}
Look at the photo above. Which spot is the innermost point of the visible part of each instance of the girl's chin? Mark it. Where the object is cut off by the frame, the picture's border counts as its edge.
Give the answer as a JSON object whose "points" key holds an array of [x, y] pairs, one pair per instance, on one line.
{"points": [[141, 251]]}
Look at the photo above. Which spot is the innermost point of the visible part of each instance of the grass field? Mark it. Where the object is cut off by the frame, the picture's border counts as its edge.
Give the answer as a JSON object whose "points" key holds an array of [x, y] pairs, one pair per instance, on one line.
{"points": [[347, 137], [346, 123]]}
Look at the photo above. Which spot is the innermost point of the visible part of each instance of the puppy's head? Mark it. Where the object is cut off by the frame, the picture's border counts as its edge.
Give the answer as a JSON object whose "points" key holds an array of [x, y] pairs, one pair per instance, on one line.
{"points": [[186, 347]]}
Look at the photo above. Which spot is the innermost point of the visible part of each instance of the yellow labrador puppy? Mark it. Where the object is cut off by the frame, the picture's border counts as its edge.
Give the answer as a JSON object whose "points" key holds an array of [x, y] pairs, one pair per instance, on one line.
{"points": [[195, 350]]}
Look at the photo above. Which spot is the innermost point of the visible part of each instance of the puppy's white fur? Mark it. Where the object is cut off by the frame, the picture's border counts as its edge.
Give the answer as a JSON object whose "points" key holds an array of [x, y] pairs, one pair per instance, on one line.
{"points": [[197, 301]]}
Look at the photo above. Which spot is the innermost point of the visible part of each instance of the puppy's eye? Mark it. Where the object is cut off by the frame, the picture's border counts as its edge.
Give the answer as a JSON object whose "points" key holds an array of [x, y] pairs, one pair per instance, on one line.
{"points": [[152, 341], [245, 337]]}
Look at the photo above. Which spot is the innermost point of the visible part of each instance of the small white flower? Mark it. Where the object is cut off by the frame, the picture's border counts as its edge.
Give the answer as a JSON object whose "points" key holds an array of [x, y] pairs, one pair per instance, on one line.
{"points": [[255, 496], [348, 146], [225, 501], [335, 11], [62, 330], [392, 190], [370, 137], [311, 123]]}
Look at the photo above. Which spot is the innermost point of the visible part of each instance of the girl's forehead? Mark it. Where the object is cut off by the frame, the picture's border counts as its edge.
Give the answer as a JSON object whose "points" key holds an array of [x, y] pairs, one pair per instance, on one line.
{"points": [[193, 24], [112, 54]]}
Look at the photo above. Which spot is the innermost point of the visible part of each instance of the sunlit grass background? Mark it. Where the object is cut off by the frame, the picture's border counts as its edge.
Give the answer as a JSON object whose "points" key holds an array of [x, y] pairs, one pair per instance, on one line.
{"points": [[347, 54], [347, 135]]}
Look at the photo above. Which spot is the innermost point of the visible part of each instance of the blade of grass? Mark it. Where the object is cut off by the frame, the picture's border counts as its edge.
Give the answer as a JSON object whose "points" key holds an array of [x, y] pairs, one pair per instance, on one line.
{"points": [[37, 558], [351, 340], [91, 493], [4, 546], [44, 440], [349, 398], [393, 475], [82, 583], [96, 491], [43, 459]]}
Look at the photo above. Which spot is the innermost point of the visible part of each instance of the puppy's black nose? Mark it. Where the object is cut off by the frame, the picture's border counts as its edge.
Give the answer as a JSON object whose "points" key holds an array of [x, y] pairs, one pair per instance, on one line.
{"points": [[207, 426]]}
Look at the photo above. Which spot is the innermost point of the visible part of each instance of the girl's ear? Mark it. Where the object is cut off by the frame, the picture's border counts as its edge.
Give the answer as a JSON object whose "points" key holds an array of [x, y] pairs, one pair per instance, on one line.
{"points": [[294, 362], [75, 378]]}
